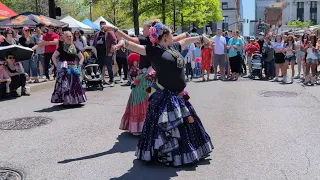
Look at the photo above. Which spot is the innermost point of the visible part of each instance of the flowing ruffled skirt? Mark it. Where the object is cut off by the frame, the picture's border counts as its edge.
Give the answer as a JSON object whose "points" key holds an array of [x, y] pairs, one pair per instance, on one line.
{"points": [[135, 113], [68, 89], [167, 136]]}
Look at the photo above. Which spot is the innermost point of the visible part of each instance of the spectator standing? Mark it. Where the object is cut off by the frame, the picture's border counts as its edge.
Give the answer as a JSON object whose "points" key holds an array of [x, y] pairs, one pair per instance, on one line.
{"points": [[122, 61], [50, 42], [219, 54], [39, 55], [30, 66], [250, 49], [104, 42], [83, 37], [261, 41]]}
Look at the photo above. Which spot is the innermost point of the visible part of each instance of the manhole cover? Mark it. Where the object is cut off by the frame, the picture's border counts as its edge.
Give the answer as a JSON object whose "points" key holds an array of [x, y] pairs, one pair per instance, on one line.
{"points": [[279, 94], [24, 123], [10, 174]]}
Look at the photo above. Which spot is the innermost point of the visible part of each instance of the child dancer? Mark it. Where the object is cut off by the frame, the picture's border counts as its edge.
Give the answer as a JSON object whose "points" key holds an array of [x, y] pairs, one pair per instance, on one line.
{"points": [[206, 58]]}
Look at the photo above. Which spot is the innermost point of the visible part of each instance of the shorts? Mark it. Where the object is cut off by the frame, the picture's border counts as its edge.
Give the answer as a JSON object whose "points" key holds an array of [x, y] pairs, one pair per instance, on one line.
{"points": [[104, 61], [219, 60], [312, 61], [279, 58], [290, 58]]}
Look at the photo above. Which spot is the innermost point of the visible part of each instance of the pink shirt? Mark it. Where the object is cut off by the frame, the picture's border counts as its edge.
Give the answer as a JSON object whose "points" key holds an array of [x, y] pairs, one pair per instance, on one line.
{"points": [[4, 74]]}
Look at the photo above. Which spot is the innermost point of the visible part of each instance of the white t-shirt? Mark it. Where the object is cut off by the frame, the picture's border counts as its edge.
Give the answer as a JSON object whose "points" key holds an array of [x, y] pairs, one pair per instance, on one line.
{"points": [[188, 57], [192, 47], [79, 44], [219, 46]]}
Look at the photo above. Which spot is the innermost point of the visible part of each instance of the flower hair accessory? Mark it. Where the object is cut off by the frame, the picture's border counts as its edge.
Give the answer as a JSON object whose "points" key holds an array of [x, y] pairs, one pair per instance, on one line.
{"points": [[155, 32]]}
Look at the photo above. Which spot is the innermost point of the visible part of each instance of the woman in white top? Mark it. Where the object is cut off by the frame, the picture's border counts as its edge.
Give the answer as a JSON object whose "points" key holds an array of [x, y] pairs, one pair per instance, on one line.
{"points": [[289, 51], [312, 61], [299, 54], [279, 56], [77, 41]]}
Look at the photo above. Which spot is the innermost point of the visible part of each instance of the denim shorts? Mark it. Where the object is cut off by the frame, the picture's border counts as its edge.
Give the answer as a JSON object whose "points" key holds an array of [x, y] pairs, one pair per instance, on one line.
{"points": [[312, 61], [290, 58]]}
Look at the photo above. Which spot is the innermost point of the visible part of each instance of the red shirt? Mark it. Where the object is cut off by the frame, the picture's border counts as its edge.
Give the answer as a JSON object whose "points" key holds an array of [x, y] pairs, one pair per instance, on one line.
{"points": [[252, 47], [50, 37]]}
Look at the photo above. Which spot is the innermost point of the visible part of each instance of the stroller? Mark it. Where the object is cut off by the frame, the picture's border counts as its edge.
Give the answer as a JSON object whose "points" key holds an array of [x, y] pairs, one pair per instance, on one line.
{"points": [[257, 65], [91, 73]]}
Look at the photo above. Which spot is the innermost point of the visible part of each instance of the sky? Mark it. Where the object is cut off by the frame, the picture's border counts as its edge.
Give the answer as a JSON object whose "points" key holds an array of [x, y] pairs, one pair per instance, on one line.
{"points": [[248, 13]]}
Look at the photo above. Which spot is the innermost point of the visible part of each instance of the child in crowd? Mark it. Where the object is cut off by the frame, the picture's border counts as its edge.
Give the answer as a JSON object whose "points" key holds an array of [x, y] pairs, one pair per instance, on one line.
{"points": [[197, 57], [206, 58], [133, 60], [90, 58]]}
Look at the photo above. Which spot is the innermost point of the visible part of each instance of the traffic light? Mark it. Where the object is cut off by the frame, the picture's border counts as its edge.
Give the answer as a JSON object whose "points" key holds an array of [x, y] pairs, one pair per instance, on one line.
{"points": [[247, 20], [53, 10]]}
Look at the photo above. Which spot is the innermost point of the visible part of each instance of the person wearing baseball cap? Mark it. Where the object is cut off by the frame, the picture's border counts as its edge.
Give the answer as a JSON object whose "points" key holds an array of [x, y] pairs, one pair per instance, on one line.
{"points": [[261, 41]]}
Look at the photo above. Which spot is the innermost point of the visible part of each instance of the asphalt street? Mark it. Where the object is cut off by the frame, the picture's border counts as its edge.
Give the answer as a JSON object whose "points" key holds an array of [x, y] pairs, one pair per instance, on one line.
{"points": [[260, 130]]}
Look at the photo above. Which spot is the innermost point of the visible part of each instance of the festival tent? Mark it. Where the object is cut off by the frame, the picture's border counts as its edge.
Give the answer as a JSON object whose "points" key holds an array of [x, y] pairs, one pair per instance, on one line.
{"points": [[97, 22], [91, 24], [132, 33], [30, 19], [5, 12], [77, 25]]}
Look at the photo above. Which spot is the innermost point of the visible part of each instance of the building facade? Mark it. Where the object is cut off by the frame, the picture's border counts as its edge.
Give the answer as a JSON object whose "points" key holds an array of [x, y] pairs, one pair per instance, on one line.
{"points": [[260, 7], [231, 15], [304, 10], [273, 13]]}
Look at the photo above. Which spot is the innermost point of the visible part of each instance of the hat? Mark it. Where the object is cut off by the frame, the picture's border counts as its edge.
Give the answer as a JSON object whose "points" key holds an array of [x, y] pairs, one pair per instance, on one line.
{"points": [[261, 33], [252, 38], [25, 28], [50, 26]]}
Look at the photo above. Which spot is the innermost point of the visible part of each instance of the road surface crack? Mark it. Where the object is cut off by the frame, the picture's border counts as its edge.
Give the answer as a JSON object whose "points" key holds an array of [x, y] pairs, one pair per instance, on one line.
{"points": [[284, 173], [309, 163]]}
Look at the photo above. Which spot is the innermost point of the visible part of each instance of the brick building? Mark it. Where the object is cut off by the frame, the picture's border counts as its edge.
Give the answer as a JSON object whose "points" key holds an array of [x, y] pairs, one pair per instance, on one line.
{"points": [[273, 13]]}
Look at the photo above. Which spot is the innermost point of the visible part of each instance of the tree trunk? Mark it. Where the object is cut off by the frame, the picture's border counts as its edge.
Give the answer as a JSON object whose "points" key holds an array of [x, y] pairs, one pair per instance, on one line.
{"points": [[163, 5], [135, 6]]}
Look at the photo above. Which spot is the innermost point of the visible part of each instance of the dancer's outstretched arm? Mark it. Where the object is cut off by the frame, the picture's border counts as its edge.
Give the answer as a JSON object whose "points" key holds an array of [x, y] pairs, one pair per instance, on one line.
{"points": [[203, 39], [140, 49]]}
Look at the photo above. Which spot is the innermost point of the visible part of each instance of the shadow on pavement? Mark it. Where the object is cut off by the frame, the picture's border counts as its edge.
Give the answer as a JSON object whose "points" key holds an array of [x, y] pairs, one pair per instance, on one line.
{"points": [[59, 108], [156, 170], [126, 143]]}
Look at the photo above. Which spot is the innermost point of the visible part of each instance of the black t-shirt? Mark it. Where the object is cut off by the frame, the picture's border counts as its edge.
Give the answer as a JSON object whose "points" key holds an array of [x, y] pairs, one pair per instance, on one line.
{"points": [[64, 56], [5, 43], [168, 74], [27, 42], [101, 44], [144, 60], [261, 42]]}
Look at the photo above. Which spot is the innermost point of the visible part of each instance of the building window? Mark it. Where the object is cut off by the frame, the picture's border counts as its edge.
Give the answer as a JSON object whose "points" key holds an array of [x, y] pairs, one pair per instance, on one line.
{"points": [[300, 11], [224, 5], [300, 5], [225, 23], [313, 17], [313, 4]]}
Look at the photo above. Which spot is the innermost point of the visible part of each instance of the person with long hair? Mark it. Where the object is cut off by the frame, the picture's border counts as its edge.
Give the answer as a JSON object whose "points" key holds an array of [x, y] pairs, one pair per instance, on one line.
{"points": [[78, 41], [8, 38], [30, 66], [171, 133], [289, 51], [68, 88], [311, 61], [235, 46], [135, 113], [299, 55], [279, 57]]}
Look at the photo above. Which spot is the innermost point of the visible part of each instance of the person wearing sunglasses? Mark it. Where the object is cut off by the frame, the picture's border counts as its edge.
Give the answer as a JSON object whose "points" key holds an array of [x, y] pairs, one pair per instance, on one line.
{"points": [[30, 66], [8, 38], [17, 75], [5, 81]]}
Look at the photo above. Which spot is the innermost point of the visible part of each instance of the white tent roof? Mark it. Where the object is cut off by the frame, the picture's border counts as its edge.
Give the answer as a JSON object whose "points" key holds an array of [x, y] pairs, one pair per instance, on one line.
{"points": [[97, 22], [77, 25], [131, 31]]}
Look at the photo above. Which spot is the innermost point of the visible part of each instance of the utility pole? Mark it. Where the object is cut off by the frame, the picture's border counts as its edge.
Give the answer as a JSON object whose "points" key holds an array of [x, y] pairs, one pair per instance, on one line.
{"points": [[52, 8], [174, 15], [90, 2], [37, 7], [163, 5]]}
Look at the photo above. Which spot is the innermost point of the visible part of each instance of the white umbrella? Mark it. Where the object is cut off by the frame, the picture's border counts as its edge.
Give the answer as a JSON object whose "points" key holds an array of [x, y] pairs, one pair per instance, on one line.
{"points": [[97, 22], [77, 25]]}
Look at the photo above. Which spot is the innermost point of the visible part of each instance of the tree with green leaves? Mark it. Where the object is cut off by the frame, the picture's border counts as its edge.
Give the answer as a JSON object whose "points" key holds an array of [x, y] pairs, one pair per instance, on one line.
{"points": [[300, 24]]}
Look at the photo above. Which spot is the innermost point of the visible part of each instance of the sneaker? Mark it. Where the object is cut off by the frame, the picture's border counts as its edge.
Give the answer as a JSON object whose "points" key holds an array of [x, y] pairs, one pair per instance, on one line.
{"points": [[297, 77], [284, 79], [275, 79], [46, 80], [121, 80], [112, 84]]}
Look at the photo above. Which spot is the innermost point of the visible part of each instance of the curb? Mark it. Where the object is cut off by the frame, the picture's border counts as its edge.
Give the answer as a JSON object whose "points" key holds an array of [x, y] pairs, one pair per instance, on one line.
{"points": [[41, 86]]}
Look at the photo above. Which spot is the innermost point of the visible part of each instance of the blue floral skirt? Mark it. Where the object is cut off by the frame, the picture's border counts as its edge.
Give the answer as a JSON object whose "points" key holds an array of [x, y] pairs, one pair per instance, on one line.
{"points": [[167, 136]]}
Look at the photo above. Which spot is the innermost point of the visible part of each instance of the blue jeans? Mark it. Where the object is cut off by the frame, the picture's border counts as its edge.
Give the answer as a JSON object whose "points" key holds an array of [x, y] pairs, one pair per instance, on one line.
{"points": [[31, 66], [197, 69], [40, 60]]}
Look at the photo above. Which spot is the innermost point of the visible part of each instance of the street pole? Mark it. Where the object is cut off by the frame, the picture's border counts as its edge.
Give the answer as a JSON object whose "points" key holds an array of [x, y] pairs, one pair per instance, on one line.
{"points": [[174, 15], [90, 1], [37, 8]]}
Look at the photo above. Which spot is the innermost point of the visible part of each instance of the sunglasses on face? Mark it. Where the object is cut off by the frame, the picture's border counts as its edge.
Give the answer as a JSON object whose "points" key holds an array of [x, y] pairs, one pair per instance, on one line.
{"points": [[10, 58], [69, 36], [1, 64]]}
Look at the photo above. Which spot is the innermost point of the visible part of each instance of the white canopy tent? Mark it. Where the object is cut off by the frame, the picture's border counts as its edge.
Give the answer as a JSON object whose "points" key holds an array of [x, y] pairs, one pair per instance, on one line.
{"points": [[97, 22], [131, 31], [77, 25]]}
